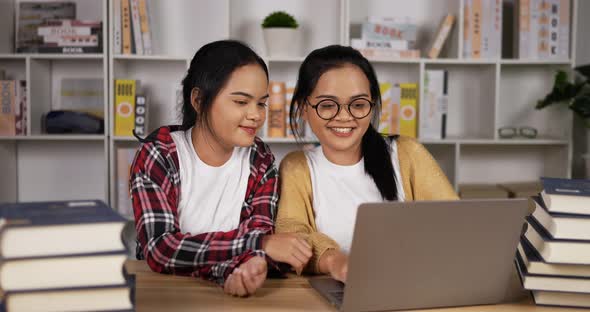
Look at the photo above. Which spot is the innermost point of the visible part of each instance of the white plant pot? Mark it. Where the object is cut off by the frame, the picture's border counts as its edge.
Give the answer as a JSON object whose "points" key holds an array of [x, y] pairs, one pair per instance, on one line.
{"points": [[282, 41]]}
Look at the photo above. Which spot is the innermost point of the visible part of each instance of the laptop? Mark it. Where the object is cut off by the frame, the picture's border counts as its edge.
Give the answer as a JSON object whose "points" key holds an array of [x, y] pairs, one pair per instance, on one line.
{"points": [[426, 254]]}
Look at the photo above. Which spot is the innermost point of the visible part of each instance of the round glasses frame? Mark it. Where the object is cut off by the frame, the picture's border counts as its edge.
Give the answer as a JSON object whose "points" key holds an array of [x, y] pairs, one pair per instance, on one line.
{"points": [[328, 101]]}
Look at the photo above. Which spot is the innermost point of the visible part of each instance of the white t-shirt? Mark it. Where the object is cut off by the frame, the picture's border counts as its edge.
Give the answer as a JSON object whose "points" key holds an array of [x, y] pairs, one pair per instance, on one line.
{"points": [[211, 198], [339, 190]]}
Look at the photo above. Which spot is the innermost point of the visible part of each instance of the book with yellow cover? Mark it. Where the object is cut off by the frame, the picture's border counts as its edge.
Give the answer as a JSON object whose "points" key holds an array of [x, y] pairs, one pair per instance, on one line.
{"points": [[408, 108], [386, 118], [125, 91]]}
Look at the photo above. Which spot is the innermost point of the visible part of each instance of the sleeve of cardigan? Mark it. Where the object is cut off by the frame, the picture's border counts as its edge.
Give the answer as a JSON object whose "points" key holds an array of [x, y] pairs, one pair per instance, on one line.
{"points": [[295, 212], [427, 179]]}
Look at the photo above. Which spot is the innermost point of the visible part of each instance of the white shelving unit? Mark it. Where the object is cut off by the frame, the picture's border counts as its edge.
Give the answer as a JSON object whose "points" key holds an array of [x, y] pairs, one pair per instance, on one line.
{"points": [[484, 94], [41, 166]]}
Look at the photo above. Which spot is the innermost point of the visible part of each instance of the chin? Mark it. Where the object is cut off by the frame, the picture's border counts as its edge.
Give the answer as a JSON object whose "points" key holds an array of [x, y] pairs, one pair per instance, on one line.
{"points": [[244, 142]]}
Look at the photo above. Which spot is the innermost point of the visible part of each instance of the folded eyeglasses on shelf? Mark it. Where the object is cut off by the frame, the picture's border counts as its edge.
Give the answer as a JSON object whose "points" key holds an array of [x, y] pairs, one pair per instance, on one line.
{"points": [[514, 132]]}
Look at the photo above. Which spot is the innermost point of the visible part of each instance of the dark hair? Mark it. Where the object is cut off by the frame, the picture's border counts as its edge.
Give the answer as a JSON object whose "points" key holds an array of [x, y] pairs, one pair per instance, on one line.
{"points": [[209, 71], [374, 148]]}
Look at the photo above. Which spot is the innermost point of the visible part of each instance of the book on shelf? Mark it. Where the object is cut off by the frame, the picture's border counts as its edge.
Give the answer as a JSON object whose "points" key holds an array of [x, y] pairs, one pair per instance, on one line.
{"points": [[549, 282], [13, 107], [276, 109], [67, 271], [135, 26], [480, 190], [542, 29], [555, 250], [140, 115], [66, 227], [8, 103], [387, 108], [561, 225], [125, 104], [566, 195], [522, 189], [21, 116], [389, 28], [379, 44], [536, 265], [289, 91], [82, 95], [103, 298], [32, 14], [70, 36], [408, 109], [434, 106], [441, 36], [125, 158], [146, 34], [126, 27], [389, 53], [482, 34]]}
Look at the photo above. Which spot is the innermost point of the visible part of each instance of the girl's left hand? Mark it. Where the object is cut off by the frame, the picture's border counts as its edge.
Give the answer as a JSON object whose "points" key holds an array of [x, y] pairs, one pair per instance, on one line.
{"points": [[246, 278]]}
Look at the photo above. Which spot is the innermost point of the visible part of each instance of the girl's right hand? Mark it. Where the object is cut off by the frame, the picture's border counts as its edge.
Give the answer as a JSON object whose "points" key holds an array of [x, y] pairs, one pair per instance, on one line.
{"points": [[288, 248], [335, 263]]}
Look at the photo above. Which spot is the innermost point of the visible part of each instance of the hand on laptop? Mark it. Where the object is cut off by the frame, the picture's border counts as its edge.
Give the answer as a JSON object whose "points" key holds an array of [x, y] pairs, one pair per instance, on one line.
{"points": [[246, 278], [335, 263], [289, 248]]}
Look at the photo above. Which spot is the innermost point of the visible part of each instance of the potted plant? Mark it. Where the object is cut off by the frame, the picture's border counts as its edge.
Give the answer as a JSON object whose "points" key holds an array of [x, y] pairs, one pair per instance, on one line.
{"points": [[281, 34], [576, 95]]}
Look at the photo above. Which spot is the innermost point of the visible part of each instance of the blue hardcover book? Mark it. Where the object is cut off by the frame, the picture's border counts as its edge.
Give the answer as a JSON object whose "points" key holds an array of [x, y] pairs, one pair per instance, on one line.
{"points": [[566, 195], [59, 228]]}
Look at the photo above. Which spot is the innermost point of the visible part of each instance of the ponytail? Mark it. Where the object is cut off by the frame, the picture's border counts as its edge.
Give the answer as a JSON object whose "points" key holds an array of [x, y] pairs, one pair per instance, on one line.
{"points": [[377, 159]]}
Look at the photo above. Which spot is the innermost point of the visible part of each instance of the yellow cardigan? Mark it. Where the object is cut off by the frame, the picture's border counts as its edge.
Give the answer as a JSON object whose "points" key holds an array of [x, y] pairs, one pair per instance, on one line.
{"points": [[421, 176]]}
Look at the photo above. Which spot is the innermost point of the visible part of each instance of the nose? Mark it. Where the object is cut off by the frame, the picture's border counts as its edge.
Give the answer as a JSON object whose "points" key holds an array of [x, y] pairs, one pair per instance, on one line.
{"points": [[343, 114], [253, 112]]}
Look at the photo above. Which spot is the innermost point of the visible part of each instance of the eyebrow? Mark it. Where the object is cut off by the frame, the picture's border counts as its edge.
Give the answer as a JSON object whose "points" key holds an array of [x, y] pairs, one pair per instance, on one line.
{"points": [[332, 97], [250, 96]]}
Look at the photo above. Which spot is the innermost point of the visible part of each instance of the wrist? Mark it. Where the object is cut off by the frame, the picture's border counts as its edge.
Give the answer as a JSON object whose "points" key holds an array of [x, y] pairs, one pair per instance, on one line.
{"points": [[327, 261]]}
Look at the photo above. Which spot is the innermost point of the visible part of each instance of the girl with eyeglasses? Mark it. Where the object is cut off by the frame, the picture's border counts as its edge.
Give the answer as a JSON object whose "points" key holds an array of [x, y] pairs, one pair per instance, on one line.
{"points": [[337, 93], [205, 193]]}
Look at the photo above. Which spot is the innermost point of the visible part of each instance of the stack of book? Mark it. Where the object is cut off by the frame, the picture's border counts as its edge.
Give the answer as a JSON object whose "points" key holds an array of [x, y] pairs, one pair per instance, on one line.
{"points": [[52, 27], [13, 104], [553, 256], [389, 38], [63, 256], [132, 27]]}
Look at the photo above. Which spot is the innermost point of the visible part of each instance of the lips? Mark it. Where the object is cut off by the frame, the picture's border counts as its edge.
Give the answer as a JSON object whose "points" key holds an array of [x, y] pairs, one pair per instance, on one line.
{"points": [[249, 130], [342, 131]]}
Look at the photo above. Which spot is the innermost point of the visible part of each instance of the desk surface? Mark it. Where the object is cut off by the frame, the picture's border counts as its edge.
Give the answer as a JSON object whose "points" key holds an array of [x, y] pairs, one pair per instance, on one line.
{"points": [[160, 292]]}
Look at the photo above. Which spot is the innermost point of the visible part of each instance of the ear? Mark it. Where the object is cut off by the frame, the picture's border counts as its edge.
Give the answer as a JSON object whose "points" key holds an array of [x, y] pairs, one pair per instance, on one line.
{"points": [[195, 99], [304, 113]]}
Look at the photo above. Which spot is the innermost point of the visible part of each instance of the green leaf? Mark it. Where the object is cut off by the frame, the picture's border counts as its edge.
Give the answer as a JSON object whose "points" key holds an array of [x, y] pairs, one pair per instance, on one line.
{"points": [[279, 19]]}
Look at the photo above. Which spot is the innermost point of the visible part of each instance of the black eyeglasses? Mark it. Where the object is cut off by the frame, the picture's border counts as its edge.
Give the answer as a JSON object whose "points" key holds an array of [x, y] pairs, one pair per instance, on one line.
{"points": [[327, 109]]}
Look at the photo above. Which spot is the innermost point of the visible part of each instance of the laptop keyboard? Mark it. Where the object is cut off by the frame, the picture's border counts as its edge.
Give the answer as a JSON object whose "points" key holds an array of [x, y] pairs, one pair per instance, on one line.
{"points": [[338, 295]]}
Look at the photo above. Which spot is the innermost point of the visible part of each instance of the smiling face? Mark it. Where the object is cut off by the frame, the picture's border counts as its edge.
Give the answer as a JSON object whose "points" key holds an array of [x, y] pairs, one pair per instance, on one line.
{"points": [[239, 109], [342, 135]]}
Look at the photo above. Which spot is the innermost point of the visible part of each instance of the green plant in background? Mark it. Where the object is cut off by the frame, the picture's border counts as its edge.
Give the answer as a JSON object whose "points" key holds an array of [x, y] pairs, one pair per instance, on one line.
{"points": [[575, 95], [279, 19]]}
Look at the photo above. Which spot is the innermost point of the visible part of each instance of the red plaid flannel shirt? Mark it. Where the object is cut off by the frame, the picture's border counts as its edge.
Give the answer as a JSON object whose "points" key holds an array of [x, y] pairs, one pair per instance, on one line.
{"points": [[155, 190]]}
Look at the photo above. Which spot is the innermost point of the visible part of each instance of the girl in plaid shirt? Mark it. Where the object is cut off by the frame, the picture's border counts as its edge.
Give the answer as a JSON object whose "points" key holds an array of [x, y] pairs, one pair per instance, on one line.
{"points": [[205, 193]]}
